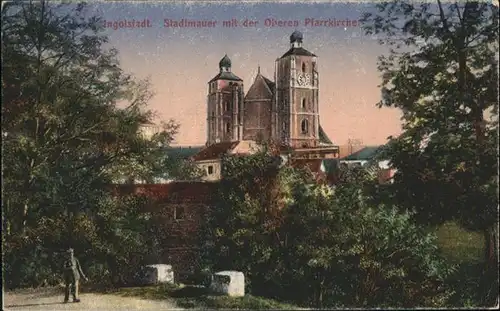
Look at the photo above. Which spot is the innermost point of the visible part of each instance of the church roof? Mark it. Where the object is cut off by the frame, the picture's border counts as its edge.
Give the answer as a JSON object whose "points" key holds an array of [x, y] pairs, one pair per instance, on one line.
{"points": [[226, 75], [261, 88], [269, 83], [297, 51], [323, 138]]}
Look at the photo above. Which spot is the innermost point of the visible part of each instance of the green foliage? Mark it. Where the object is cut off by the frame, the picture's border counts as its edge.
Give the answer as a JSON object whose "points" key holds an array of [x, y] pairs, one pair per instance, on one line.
{"points": [[198, 298], [442, 72], [361, 254], [71, 121], [329, 247]]}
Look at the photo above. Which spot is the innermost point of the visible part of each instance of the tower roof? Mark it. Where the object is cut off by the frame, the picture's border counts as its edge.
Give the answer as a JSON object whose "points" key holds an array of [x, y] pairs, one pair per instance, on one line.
{"points": [[225, 74], [225, 62], [296, 36], [296, 40], [298, 51]]}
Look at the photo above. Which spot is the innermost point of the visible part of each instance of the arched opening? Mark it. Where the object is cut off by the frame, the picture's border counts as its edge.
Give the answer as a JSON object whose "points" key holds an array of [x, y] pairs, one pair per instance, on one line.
{"points": [[303, 67], [283, 126], [303, 103], [228, 106], [228, 127], [304, 126], [212, 122]]}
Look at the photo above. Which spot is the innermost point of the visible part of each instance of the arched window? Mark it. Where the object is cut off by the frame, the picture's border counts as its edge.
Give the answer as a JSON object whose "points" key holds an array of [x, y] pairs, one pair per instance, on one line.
{"points": [[303, 67], [228, 106], [284, 126], [212, 122], [228, 127], [303, 103], [304, 126]]}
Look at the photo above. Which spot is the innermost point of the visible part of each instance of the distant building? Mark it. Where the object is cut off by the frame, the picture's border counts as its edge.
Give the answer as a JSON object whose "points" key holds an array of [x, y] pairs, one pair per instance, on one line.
{"points": [[209, 159], [284, 111], [368, 157]]}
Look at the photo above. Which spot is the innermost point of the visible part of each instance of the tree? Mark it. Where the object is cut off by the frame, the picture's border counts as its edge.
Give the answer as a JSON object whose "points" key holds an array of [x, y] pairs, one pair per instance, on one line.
{"points": [[298, 240], [442, 72], [64, 133], [359, 253], [244, 226]]}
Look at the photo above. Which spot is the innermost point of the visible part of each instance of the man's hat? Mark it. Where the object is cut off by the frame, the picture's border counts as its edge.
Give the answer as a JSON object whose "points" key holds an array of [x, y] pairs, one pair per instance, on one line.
{"points": [[70, 250]]}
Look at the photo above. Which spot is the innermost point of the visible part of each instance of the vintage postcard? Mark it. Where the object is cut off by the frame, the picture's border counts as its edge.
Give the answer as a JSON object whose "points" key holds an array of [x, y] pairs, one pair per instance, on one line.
{"points": [[163, 155]]}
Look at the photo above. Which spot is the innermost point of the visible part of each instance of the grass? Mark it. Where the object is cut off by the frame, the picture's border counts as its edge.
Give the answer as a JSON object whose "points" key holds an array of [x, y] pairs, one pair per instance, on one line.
{"points": [[197, 297], [458, 245], [472, 286]]}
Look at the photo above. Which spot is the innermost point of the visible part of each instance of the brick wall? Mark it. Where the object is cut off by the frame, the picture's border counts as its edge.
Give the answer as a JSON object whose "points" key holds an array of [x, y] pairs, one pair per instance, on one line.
{"points": [[179, 211]]}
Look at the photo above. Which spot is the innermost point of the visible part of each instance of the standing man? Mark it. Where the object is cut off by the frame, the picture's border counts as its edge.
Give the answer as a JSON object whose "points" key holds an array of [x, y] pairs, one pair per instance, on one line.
{"points": [[72, 273]]}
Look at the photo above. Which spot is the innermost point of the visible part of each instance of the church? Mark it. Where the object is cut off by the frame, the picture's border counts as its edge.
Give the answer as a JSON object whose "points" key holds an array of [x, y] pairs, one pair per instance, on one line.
{"points": [[285, 111]]}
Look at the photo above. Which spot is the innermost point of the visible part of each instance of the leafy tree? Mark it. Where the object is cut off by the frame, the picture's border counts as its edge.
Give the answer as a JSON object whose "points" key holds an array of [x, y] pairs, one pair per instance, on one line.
{"points": [[355, 253], [71, 120], [298, 240], [442, 72], [244, 224]]}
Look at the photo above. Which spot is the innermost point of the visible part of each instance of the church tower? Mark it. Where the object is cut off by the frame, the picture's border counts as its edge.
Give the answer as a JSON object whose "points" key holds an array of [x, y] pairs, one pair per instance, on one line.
{"points": [[224, 105], [296, 106]]}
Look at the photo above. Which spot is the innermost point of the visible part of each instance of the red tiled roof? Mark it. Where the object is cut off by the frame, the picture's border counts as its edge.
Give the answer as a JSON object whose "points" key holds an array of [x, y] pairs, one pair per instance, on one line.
{"points": [[197, 192], [215, 151]]}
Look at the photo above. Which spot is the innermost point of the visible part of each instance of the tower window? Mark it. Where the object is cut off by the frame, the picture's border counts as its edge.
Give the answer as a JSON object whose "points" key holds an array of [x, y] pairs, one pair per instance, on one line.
{"points": [[213, 122], [304, 126], [228, 127], [284, 126], [228, 106], [303, 103], [303, 67]]}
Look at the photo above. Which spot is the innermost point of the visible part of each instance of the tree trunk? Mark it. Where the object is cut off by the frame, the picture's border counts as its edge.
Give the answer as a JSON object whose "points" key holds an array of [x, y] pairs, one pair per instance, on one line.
{"points": [[491, 248]]}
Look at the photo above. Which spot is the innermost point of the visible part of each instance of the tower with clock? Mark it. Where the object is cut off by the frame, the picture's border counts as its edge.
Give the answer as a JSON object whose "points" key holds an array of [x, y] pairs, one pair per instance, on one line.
{"points": [[285, 110], [297, 89]]}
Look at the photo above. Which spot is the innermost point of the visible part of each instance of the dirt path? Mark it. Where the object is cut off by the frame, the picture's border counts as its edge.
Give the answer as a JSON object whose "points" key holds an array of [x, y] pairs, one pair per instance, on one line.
{"points": [[51, 299]]}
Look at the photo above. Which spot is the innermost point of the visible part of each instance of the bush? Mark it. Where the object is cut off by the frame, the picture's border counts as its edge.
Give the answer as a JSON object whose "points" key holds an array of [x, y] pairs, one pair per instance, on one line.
{"points": [[199, 277], [321, 246]]}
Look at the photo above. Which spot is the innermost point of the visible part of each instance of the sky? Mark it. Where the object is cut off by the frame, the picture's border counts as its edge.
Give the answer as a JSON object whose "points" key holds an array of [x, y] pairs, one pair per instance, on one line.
{"points": [[180, 61]]}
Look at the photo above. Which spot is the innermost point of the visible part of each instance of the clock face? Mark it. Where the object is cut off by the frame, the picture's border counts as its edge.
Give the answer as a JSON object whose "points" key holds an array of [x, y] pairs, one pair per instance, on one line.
{"points": [[301, 80], [308, 79]]}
